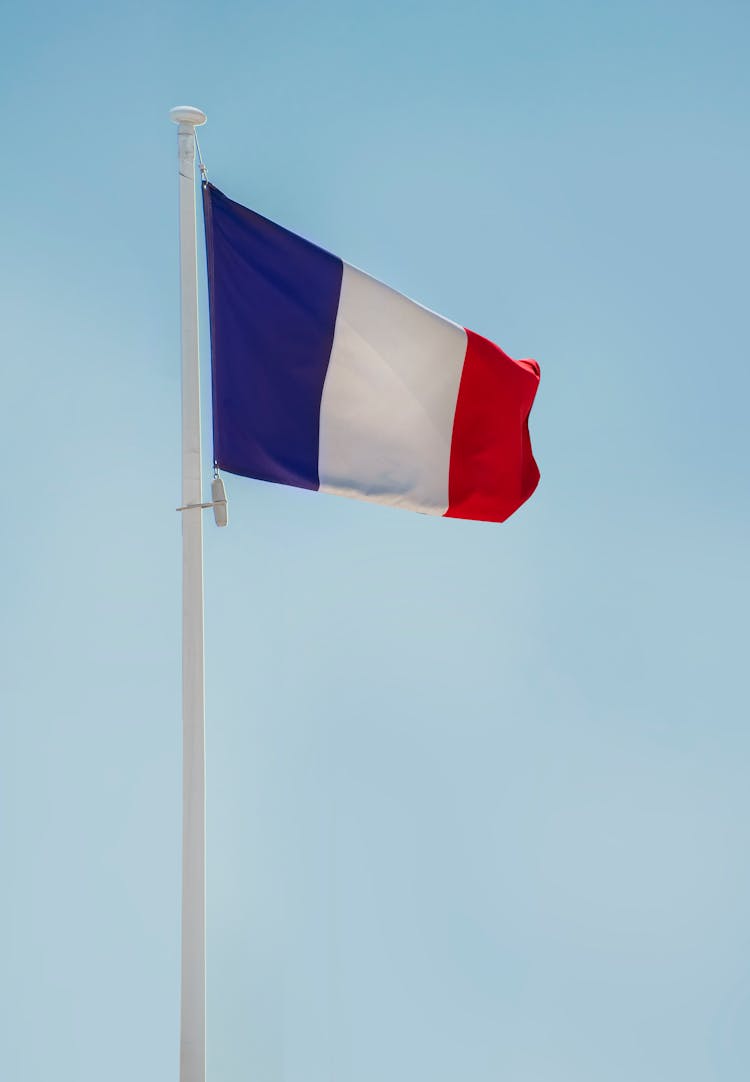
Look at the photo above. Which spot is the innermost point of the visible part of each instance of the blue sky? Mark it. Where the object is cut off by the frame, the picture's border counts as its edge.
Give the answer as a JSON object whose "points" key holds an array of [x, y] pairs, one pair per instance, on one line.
{"points": [[478, 803]]}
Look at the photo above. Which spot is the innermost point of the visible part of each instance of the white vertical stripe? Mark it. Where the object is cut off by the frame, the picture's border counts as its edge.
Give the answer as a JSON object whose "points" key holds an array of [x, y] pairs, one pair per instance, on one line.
{"points": [[389, 398]]}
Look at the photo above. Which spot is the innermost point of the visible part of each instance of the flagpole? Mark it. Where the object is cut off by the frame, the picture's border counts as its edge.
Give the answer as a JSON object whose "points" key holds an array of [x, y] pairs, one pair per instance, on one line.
{"points": [[193, 964]]}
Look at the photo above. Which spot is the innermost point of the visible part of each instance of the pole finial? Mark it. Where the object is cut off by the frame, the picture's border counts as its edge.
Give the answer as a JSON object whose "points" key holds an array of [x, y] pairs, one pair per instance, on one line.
{"points": [[187, 114]]}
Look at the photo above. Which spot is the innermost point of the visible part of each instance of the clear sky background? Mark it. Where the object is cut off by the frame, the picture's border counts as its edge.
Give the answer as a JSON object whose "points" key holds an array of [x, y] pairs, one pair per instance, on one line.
{"points": [[478, 805]]}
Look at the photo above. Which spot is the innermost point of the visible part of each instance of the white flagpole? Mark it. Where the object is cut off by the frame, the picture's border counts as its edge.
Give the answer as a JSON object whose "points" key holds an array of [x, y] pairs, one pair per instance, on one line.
{"points": [[193, 973]]}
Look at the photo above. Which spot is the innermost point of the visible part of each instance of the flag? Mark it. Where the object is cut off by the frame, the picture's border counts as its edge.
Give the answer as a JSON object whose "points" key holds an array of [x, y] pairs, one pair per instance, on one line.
{"points": [[326, 378]]}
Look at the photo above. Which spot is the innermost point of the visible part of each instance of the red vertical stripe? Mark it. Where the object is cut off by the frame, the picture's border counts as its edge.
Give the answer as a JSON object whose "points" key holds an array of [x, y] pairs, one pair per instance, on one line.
{"points": [[492, 469]]}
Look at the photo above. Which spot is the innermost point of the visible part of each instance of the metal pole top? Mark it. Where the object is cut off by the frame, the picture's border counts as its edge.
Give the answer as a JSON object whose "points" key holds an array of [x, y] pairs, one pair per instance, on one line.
{"points": [[187, 114]]}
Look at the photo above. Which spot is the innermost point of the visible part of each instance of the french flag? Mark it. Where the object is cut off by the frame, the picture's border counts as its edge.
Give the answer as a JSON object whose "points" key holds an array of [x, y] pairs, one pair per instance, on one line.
{"points": [[325, 378]]}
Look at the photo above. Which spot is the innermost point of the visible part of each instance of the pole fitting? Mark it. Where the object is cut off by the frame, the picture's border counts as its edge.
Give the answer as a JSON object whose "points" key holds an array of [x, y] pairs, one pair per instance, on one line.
{"points": [[188, 115]]}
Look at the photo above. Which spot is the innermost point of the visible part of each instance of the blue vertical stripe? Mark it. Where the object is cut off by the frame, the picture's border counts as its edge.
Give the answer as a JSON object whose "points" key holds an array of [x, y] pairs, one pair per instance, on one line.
{"points": [[273, 300]]}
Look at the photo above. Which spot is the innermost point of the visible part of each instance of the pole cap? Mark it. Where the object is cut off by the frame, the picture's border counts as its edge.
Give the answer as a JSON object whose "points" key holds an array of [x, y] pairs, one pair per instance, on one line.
{"points": [[187, 114]]}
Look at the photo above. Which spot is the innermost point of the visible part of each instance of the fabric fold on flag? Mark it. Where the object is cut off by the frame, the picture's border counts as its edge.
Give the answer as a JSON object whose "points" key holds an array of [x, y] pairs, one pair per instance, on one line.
{"points": [[327, 379]]}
